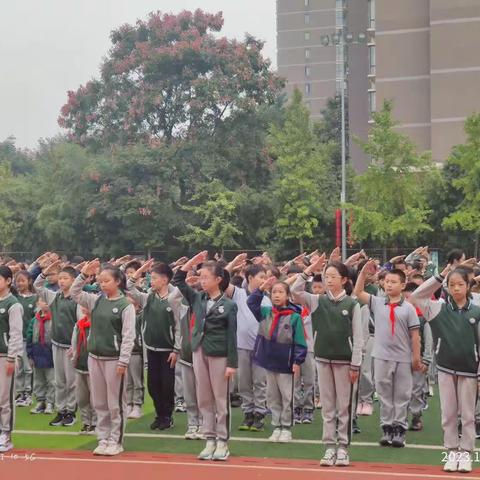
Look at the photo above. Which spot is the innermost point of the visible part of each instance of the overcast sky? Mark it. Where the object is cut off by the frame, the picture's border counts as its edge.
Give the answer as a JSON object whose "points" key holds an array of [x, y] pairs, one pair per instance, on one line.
{"points": [[50, 46]]}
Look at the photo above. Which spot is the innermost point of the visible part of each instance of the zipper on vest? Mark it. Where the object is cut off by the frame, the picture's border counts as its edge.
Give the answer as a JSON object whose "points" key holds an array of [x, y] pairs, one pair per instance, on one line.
{"points": [[350, 343], [438, 346], [476, 353], [5, 339], [115, 342]]}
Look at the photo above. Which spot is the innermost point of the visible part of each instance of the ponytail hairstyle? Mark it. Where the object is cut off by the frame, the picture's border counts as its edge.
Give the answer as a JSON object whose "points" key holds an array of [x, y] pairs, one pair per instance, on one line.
{"points": [[342, 270], [218, 271], [117, 275], [7, 274], [26, 274]]}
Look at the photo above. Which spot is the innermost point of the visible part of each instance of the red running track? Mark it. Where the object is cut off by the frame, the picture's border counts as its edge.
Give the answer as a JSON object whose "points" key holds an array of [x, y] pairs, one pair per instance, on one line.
{"points": [[81, 465]]}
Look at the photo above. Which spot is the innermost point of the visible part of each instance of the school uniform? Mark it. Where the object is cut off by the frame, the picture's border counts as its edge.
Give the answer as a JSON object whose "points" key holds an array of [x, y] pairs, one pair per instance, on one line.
{"points": [[24, 373], [214, 347], [109, 344], [161, 337], [252, 380], [65, 313], [39, 350], [455, 334], [82, 377], [392, 357], [338, 342], [280, 344], [11, 345], [366, 385], [135, 381]]}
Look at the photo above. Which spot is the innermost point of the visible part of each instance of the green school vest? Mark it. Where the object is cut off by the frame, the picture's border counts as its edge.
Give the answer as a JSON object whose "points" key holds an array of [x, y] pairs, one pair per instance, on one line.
{"points": [[64, 317], [158, 324], [5, 306], [28, 304]]}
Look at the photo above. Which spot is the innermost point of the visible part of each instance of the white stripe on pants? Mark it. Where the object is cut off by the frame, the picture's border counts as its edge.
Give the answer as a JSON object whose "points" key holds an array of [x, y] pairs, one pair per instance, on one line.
{"points": [[252, 383], [135, 387], [24, 374], [44, 385], [366, 387], [280, 398], [109, 398], [84, 398], [190, 395], [307, 373], [393, 382], [7, 398], [336, 394], [212, 394], [64, 380], [457, 395]]}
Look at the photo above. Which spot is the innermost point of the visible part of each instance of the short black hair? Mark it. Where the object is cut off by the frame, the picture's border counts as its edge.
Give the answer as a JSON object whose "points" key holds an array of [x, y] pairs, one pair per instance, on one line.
{"points": [[317, 278], [253, 270], [70, 271], [237, 281], [275, 271], [410, 287], [399, 273], [133, 264], [455, 254], [163, 269]]}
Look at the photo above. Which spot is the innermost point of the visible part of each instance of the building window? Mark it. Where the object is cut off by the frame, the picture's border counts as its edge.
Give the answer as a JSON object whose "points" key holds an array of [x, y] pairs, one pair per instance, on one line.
{"points": [[307, 88], [308, 71], [307, 36], [372, 59], [371, 14], [306, 18], [372, 101], [307, 53]]}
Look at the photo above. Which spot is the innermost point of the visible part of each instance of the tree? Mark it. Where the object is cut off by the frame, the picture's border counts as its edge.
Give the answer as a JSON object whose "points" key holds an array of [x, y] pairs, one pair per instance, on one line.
{"points": [[301, 186], [466, 158], [218, 219], [389, 200], [169, 78], [8, 226]]}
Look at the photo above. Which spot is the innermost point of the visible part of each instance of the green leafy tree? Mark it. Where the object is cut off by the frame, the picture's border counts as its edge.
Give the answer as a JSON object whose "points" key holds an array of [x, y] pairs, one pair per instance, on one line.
{"points": [[389, 200], [301, 187], [8, 227], [216, 210], [466, 158]]}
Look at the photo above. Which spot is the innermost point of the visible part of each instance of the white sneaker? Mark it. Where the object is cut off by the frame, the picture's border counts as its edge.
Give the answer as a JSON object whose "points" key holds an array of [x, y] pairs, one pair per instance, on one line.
{"points": [[113, 448], [208, 451], [27, 399], [465, 462], [192, 433], [48, 409], [329, 458], [135, 412], [128, 411], [5, 442], [451, 465], [101, 448], [342, 458], [221, 452], [285, 436], [275, 436]]}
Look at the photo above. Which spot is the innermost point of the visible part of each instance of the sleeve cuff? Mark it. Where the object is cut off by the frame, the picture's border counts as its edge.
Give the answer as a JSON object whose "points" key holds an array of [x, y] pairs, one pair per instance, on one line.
{"points": [[356, 368]]}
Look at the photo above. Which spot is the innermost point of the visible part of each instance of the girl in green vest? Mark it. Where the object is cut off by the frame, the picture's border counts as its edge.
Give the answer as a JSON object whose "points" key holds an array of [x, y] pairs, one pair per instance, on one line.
{"points": [[110, 343], [455, 329], [338, 343], [11, 345], [28, 299]]}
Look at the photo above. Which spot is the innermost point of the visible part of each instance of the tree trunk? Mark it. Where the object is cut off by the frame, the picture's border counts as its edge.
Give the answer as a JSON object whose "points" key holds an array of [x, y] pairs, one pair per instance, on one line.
{"points": [[300, 241]]}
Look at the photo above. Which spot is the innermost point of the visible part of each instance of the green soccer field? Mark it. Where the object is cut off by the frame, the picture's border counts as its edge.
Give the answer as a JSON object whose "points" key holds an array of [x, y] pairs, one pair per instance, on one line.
{"points": [[306, 443]]}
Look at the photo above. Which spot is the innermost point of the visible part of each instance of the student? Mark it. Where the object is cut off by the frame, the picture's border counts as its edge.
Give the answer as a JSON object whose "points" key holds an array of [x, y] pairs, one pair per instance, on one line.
{"points": [[65, 313], [39, 351], [161, 337], [397, 340], [252, 380], [280, 348], [109, 344], [135, 383], [11, 346], [420, 380], [455, 329], [28, 300], [79, 356], [214, 345], [338, 342], [366, 386]]}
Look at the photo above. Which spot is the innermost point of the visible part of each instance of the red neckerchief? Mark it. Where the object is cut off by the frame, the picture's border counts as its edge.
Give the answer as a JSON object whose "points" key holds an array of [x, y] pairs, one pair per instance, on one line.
{"points": [[42, 318], [393, 306], [82, 325], [419, 312], [277, 314], [192, 324], [305, 313]]}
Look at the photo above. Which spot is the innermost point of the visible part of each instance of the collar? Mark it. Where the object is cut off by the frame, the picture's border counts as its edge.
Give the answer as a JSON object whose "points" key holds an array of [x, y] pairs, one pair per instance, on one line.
{"points": [[215, 299], [337, 298], [451, 303], [400, 302], [6, 296]]}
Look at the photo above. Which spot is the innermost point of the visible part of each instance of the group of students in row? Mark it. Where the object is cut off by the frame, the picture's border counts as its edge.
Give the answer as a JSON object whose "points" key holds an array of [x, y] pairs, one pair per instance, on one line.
{"points": [[273, 328]]}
